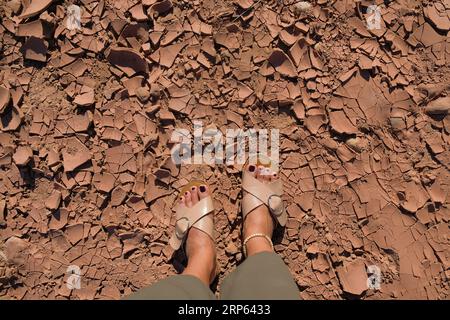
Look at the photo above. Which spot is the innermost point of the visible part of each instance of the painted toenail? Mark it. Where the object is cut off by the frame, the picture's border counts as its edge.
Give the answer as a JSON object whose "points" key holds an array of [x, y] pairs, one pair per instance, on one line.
{"points": [[186, 193], [202, 188], [251, 168], [193, 188]]}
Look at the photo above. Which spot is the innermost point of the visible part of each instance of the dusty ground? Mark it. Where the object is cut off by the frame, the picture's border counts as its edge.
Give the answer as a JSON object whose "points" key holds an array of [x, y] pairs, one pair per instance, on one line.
{"points": [[86, 115]]}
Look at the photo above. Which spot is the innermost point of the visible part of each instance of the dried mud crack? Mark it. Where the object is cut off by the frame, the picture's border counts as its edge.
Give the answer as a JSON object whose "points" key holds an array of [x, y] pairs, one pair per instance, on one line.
{"points": [[87, 111]]}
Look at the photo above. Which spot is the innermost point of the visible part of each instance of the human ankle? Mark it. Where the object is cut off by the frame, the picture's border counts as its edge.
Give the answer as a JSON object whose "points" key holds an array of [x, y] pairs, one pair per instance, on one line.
{"points": [[258, 244], [201, 267]]}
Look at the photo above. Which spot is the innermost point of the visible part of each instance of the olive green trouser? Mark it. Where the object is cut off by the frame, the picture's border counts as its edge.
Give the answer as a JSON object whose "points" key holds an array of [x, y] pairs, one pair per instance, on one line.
{"points": [[261, 276]]}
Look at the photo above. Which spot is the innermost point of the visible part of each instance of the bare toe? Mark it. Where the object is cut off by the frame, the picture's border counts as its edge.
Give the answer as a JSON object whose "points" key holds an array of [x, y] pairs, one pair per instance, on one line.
{"points": [[267, 173], [203, 191], [274, 176], [194, 195], [259, 173], [252, 169], [187, 196]]}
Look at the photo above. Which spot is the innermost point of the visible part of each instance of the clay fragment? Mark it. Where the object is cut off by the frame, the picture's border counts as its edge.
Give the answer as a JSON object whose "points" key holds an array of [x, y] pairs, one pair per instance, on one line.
{"points": [[22, 156], [35, 7], [282, 63], [440, 20], [287, 38], [138, 14], [34, 49], [162, 6], [128, 60], [11, 119], [2, 213], [74, 233], [414, 197], [244, 4], [85, 99], [340, 123], [430, 36], [37, 28], [4, 98], [104, 182], [79, 123], [166, 56], [440, 106], [53, 201], [75, 154], [437, 193], [299, 110], [118, 196], [76, 68], [353, 277], [16, 250], [166, 115]]}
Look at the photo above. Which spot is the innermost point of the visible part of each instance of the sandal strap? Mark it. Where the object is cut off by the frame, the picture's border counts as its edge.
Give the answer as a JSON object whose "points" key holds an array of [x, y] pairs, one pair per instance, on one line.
{"points": [[259, 193], [195, 216], [244, 245]]}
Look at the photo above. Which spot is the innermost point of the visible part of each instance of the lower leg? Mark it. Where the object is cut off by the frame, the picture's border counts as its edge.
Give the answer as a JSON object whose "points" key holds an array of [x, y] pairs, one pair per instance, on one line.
{"points": [[259, 221], [201, 256], [263, 275], [200, 248]]}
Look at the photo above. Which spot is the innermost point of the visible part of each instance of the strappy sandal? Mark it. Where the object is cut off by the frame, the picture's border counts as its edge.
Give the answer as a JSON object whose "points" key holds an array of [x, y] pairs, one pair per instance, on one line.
{"points": [[198, 216], [259, 193]]}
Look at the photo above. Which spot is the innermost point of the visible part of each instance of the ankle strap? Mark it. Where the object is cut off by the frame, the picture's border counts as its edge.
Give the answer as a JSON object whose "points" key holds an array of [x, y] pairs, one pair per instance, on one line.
{"points": [[254, 236]]}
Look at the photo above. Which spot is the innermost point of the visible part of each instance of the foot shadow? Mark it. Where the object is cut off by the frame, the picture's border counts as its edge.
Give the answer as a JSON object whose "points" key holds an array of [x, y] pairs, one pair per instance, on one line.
{"points": [[278, 234]]}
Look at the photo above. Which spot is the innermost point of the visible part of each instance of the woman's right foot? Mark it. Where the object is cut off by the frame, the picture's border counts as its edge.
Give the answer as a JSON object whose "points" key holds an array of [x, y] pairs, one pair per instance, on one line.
{"points": [[200, 248], [259, 220]]}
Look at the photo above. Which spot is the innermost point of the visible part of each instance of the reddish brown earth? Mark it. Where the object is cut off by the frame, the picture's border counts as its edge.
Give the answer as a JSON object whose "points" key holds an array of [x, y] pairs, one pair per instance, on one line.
{"points": [[86, 115]]}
